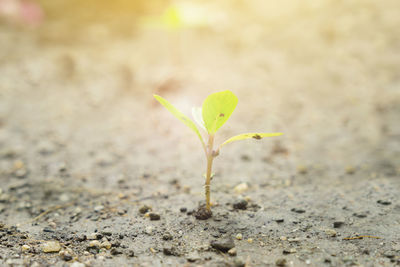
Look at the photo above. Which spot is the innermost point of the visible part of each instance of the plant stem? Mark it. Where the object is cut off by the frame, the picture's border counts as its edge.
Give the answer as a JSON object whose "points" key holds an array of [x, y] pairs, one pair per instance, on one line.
{"points": [[210, 158]]}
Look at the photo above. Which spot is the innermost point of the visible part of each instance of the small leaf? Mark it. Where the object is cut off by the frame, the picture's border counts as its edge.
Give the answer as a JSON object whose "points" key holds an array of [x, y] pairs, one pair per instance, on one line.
{"points": [[256, 136], [182, 117], [196, 113], [217, 108]]}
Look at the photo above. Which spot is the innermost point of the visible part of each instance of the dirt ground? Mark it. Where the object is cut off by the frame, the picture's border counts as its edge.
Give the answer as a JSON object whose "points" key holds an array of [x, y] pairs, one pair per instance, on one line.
{"points": [[90, 161]]}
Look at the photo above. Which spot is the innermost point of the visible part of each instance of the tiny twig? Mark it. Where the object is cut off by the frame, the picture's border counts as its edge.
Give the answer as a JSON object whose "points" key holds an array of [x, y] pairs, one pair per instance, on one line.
{"points": [[361, 237]]}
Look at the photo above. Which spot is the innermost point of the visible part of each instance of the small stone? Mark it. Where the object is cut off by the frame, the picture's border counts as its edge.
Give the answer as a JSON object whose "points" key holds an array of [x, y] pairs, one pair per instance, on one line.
{"points": [[338, 224], [193, 257], [232, 252], [51, 246], [360, 215], [241, 188], [98, 208], [130, 253], [170, 251], [183, 209], [107, 233], [95, 244], [223, 245], [330, 232], [106, 245], [143, 209], [297, 210], [384, 202], [154, 216], [350, 169], [239, 236], [25, 248], [250, 240], [65, 255], [115, 251], [239, 263], [81, 238], [279, 220], [389, 254], [289, 251], [241, 204], [280, 262], [149, 230], [167, 236], [302, 169], [93, 236]]}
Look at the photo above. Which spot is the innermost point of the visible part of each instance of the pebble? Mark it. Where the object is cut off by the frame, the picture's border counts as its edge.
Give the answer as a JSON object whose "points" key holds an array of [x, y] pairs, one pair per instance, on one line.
{"points": [[81, 238], [143, 209], [115, 251], [338, 224], [289, 251], [149, 230], [77, 264], [279, 220], [330, 232], [51, 246], [193, 257], [223, 245], [94, 236], [350, 169], [25, 248], [384, 202], [297, 210], [65, 255], [170, 251], [240, 204], [183, 209], [239, 236], [239, 263], [130, 253], [154, 216], [95, 243], [250, 240], [232, 252], [105, 244], [241, 188], [98, 208], [167, 236], [360, 215], [389, 254], [280, 262], [302, 169]]}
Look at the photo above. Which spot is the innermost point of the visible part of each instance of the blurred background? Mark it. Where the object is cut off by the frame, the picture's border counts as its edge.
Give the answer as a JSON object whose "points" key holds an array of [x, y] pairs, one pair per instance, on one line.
{"points": [[77, 78]]}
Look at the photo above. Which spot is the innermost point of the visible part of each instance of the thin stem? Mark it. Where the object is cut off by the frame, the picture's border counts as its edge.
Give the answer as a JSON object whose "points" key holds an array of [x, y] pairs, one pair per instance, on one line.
{"points": [[210, 158]]}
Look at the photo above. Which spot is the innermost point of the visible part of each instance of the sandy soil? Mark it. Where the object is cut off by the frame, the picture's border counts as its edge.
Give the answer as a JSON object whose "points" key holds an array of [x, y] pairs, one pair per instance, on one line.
{"points": [[86, 154]]}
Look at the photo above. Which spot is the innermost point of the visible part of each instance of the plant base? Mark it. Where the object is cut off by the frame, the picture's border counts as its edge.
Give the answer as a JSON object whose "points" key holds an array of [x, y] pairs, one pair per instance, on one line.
{"points": [[202, 213]]}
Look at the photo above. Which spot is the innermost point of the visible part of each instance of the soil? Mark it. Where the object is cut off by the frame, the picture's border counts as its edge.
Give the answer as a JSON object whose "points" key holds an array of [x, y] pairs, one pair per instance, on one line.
{"points": [[90, 161]]}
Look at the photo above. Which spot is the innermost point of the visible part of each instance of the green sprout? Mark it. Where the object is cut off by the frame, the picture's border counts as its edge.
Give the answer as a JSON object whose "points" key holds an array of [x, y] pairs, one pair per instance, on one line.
{"points": [[216, 110]]}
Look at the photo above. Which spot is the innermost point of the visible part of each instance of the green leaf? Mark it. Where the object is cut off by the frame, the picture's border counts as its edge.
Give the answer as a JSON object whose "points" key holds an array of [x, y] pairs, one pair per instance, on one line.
{"points": [[217, 108], [196, 114], [182, 117], [256, 136]]}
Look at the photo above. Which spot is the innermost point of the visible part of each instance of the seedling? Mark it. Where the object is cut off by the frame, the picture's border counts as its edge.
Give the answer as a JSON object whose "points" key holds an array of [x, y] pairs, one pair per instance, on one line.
{"points": [[216, 110]]}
